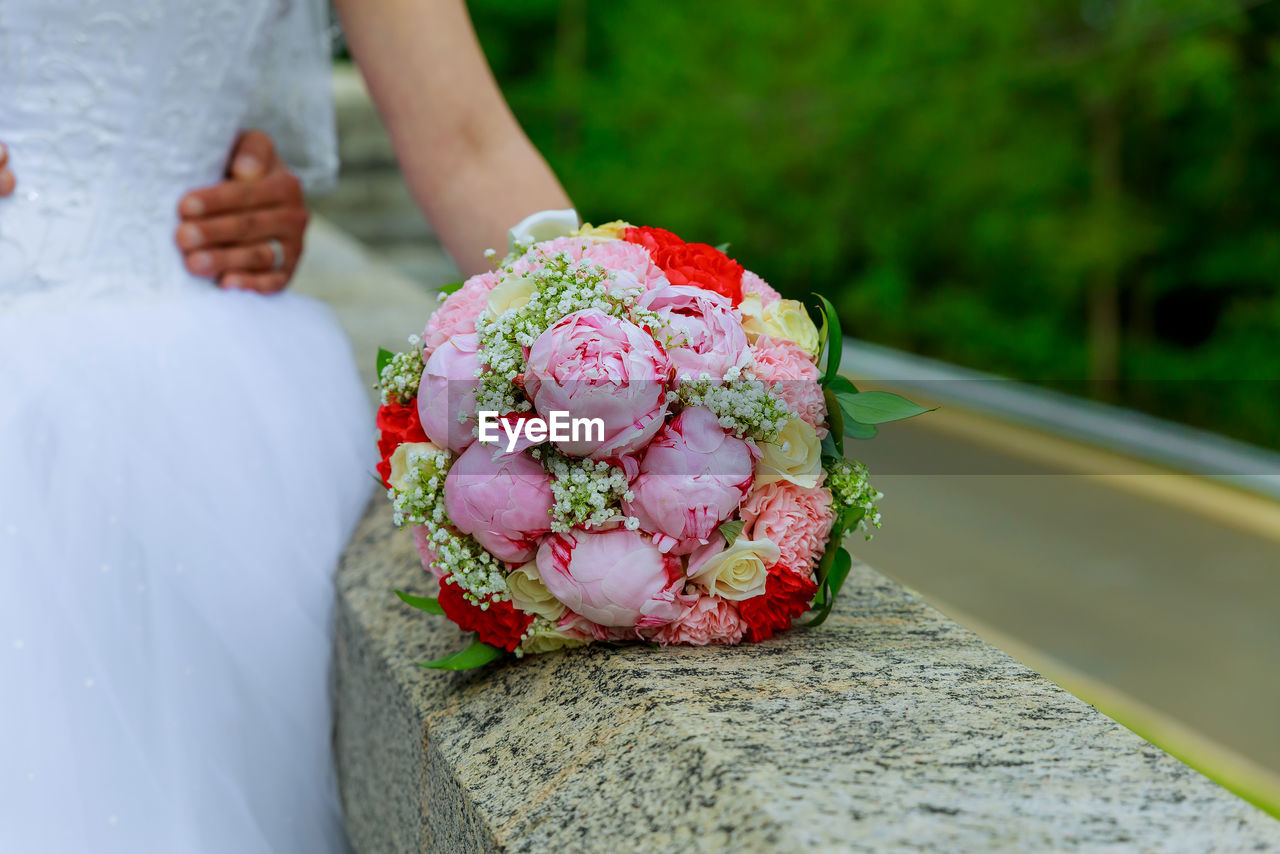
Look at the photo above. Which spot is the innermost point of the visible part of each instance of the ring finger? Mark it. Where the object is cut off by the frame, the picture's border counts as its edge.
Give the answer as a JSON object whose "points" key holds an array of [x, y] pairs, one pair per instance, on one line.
{"points": [[247, 228], [255, 258]]}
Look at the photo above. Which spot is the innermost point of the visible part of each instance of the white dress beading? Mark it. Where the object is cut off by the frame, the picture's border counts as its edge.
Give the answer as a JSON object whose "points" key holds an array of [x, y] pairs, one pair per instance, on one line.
{"points": [[180, 467]]}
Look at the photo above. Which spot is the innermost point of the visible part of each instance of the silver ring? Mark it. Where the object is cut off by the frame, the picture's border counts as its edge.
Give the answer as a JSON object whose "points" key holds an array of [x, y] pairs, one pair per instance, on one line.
{"points": [[277, 254]]}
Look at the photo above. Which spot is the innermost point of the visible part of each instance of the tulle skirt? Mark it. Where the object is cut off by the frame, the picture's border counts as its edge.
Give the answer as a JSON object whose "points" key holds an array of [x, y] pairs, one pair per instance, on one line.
{"points": [[178, 478]]}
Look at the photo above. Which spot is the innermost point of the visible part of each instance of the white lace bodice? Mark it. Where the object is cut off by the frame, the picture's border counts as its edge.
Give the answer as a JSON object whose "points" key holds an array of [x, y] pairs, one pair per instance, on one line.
{"points": [[112, 109]]}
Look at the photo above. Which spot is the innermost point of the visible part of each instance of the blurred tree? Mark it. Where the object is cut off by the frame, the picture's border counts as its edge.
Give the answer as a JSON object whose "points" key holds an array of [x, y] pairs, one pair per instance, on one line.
{"points": [[1058, 191]]}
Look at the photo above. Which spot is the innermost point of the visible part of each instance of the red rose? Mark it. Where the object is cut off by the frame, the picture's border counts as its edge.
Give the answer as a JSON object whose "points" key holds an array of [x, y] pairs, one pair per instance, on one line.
{"points": [[397, 424], [786, 596], [694, 264], [500, 625]]}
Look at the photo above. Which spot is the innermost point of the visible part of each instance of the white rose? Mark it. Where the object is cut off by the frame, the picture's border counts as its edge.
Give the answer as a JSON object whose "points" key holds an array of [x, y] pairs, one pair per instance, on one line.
{"points": [[795, 456], [530, 595], [543, 225], [737, 572], [511, 292], [785, 318], [407, 459]]}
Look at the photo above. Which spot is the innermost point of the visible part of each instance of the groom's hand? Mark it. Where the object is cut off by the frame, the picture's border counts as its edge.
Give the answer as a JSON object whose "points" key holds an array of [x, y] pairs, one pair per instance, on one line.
{"points": [[246, 233], [7, 181]]}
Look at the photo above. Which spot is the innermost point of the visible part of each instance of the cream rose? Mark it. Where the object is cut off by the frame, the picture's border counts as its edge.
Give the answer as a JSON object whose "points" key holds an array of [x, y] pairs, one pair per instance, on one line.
{"points": [[548, 638], [795, 456], [737, 572], [529, 594], [403, 457], [513, 292], [607, 231], [785, 318]]}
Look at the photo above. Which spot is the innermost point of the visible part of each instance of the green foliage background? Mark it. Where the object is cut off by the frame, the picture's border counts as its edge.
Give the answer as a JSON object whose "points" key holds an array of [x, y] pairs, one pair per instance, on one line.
{"points": [[1084, 194]]}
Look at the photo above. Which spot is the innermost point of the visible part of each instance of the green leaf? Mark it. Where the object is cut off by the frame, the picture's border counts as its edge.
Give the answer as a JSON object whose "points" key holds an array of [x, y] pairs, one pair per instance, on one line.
{"points": [[422, 603], [858, 430], [878, 407], [450, 288], [476, 655], [384, 358], [724, 247], [839, 572], [829, 556], [835, 419], [833, 341], [831, 585], [842, 385], [730, 530], [851, 517]]}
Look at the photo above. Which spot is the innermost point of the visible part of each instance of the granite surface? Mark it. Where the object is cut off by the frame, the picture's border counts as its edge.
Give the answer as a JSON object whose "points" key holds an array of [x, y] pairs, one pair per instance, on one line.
{"points": [[889, 728]]}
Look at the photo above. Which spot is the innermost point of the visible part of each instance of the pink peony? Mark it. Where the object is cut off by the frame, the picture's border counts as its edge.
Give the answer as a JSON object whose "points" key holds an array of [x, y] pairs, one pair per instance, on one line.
{"points": [[458, 313], [784, 362], [613, 578], [798, 520], [448, 388], [503, 500], [593, 365], [613, 255], [751, 283], [693, 476], [427, 551], [709, 334], [708, 619]]}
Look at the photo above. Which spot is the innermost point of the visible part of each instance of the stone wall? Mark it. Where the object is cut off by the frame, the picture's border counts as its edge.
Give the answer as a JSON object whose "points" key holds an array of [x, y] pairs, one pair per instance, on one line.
{"points": [[888, 728]]}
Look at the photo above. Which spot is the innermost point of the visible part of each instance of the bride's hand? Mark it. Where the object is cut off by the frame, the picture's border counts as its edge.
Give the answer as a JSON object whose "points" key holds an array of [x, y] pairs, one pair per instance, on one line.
{"points": [[7, 181], [247, 231]]}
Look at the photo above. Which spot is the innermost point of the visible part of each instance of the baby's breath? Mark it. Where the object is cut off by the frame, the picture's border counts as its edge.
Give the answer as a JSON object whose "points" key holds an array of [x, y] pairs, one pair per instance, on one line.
{"points": [[852, 490], [742, 402], [399, 378], [587, 493]]}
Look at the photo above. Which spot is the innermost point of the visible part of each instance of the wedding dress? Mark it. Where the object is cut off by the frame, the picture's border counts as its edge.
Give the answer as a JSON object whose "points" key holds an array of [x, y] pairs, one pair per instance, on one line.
{"points": [[180, 467]]}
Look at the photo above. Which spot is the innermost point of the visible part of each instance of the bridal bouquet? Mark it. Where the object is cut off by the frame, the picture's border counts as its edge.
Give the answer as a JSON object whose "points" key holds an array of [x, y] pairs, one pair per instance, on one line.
{"points": [[618, 435]]}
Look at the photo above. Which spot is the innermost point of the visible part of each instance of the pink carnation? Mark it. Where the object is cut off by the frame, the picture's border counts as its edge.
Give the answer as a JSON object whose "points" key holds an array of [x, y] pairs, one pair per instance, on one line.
{"points": [[751, 283], [796, 519], [778, 360], [709, 619], [458, 314], [613, 255]]}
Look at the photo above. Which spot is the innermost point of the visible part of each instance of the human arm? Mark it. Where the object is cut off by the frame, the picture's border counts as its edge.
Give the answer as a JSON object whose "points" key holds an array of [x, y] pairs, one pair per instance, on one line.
{"points": [[464, 156]]}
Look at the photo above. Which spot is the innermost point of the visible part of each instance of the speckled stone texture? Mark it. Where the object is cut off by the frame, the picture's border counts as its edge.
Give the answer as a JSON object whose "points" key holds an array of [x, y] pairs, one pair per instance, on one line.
{"points": [[889, 728]]}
